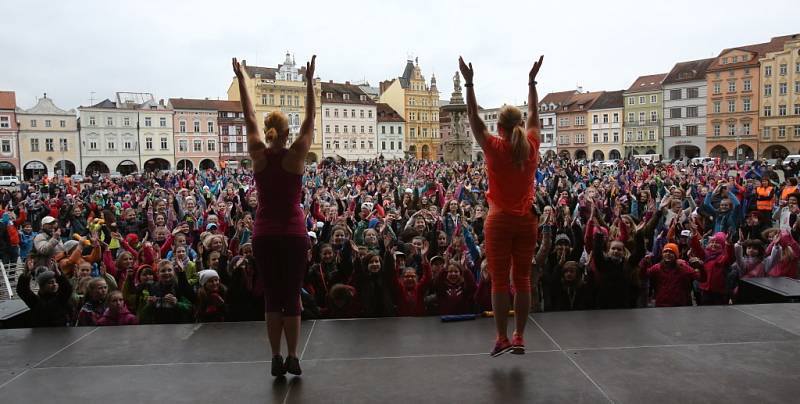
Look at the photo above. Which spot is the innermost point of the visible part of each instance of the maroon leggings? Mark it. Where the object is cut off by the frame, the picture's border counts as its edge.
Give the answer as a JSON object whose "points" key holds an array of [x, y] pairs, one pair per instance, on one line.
{"points": [[282, 263]]}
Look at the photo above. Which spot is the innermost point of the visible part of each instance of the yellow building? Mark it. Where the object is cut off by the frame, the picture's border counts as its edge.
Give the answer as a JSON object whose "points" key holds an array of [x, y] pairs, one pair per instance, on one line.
{"points": [[418, 103], [281, 89], [779, 114], [48, 140]]}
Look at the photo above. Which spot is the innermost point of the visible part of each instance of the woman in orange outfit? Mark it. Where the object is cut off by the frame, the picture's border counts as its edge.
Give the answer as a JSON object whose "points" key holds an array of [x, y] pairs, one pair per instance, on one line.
{"points": [[510, 229]]}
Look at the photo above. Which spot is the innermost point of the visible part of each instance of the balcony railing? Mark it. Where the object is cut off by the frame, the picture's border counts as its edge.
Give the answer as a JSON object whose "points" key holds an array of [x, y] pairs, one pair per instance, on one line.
{"points": [[632, 124]]}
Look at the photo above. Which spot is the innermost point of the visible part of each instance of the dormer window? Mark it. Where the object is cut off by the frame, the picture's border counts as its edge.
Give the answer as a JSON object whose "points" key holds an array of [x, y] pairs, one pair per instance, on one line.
{"points": [[363, 98], [329, 96], [346, 96]]}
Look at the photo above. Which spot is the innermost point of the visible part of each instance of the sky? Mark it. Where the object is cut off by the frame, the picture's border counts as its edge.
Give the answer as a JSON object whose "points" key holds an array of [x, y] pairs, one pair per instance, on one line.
{"points": [[77, 51]]}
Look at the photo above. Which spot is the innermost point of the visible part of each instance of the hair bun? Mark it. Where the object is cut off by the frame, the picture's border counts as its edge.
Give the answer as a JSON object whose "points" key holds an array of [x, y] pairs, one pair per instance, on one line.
{"points": [[271, 134]]}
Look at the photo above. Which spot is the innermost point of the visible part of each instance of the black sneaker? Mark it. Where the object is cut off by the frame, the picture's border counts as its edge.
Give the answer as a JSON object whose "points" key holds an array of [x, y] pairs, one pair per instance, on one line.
{"points": [[278, 368], [293, 365]]}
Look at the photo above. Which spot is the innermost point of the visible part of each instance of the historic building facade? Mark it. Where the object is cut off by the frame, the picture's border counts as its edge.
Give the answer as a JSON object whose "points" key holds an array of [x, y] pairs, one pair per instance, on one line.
{"points": [[48, 140], [734, 96], [281, 89], [418, 103], [684, 95], [780, 101], [643, 116], [349, 122], [391, 127], [548, 106], [9, 149], [573, 127], [605, 126], [197, 133]]}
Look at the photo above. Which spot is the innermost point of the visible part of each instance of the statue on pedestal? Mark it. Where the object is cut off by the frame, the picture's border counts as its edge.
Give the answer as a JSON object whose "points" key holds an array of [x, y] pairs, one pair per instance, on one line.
{"points": [[457, 83]]}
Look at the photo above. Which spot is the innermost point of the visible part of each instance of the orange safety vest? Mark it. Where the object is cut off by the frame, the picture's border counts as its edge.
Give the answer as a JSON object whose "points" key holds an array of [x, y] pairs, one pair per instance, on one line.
{"points": [[788, 191], [765, 198]]}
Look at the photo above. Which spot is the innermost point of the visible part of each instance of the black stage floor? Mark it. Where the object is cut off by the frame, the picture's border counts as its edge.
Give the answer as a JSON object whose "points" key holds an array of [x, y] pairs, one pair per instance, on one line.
{"points": [[735, 354]]}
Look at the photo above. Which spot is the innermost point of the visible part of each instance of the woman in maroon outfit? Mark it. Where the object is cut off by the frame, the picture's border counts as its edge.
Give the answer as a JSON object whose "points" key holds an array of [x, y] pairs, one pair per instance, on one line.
{"points": [[280, 238]]}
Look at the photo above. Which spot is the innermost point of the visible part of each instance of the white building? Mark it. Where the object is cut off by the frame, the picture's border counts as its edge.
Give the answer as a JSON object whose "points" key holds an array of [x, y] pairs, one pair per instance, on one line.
{"points": [[48, 137], [547, 119], [605, 120], [390, 132], [130, 134], [349, 122], [685, 110]]}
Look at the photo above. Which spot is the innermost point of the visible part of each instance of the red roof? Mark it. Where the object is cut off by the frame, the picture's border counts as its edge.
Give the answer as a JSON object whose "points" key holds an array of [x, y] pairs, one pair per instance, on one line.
{"points": [[650, 82], [8, 100], [208, 105], [757, 50]]}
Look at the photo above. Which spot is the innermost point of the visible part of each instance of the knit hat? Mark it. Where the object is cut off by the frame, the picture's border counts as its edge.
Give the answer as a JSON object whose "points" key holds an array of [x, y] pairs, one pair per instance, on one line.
{"points": [[720, 238], [132, 238], [563, 238], [206, 275], [44, 277], [69, 245], [367, 205], [48, 220], [672, 247]]}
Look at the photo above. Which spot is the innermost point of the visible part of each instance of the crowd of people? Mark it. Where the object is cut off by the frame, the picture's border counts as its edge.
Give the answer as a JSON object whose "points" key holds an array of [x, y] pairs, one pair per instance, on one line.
{"points": [[396, 238]]}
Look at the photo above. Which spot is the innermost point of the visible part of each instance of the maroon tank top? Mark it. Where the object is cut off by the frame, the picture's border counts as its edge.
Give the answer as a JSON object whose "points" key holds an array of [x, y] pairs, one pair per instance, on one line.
{"points": [[279, 210]]}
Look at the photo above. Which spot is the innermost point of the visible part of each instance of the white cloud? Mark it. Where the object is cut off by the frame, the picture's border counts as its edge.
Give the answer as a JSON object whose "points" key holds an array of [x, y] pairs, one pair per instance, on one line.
{"points": [[183, 48]]}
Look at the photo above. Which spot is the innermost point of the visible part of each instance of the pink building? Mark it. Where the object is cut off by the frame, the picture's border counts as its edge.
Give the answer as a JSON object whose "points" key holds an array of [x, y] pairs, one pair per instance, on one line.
{"points": [[9, 150], [196, 131]]}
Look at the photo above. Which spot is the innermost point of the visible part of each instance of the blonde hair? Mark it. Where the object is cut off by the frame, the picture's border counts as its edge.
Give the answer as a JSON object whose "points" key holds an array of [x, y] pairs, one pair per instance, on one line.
{"points": [[275, 124], [510, 119]]}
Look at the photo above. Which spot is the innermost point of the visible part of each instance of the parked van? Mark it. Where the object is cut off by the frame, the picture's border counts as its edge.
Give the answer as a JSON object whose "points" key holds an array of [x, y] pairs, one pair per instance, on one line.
{"points": [[648, 158], [792, 157], [9, 181], [697, 161]]}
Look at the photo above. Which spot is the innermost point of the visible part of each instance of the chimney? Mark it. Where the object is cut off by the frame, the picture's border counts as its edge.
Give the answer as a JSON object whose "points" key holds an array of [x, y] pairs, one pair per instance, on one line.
{"points": [[580, 89], [347, 82], [330, 81], [161, 102], [244, 63]]}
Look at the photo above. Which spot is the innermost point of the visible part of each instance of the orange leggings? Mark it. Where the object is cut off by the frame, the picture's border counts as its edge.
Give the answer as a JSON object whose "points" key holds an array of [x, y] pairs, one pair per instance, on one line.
{"points": [[510, 242]]}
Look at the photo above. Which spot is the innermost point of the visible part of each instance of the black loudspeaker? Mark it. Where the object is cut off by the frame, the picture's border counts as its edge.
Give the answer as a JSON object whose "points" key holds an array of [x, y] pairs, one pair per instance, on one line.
{"points": [[768, 290]]}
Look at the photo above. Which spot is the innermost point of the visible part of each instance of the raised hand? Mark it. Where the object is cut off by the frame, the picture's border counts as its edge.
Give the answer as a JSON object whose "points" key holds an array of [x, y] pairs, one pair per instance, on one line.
{"points": [[466, 70], [310, 67], [535, 69], [237, 68]]}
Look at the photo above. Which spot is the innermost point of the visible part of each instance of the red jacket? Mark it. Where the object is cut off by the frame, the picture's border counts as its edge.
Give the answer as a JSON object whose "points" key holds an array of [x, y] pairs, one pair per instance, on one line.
{"points": [[673, 284], [412, 302]]}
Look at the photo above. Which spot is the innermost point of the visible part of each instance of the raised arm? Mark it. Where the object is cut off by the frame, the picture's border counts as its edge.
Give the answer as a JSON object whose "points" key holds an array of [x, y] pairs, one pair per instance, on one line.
{"points": [[303, 141], [476, 124], [533, 99], [255, 146]]}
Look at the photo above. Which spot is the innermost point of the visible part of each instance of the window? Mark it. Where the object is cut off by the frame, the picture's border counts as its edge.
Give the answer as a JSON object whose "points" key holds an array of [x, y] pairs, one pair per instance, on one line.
{"points": [[629, 136], [675, 94], [782, 88], [651, 134], [691, 130], [691, 112], [196, 126], [48, 145], [109, 121], [641, 117], [797, 69], [717, 88], [716, 129], [126, 121], [746, 85], [797, 109], [282, 99], [263, 99], [110, 145], [327, 144], [272, 99], [605, 137], [767, 90], [148, 121], [91, 121], [163, 143], [362, 144], [781, 132], [63, 145], [335, 128], [653, 99], [616, 118], [210, 127], [34, 145], [327, 112], [631, 117], [595, 118], [362, 128], [631, 100], [641, 99], [92, 145], [765, 133], [424, 132], [767, 110], [399, 145], [767, 71], [797, 87], [327, 128], [563, 122], [731, 129], [33, 123], [781, 110], [162, 122], [183, 145], [731, 105], [197, 145], [692, 92], [580, 120], [797, 131], [369, 128], [354, 128], [352, 113], [412, 132], [6, 146], [335, 113], [717, 107], [639, 135], [653, 116], [369, 114], [595, 137], [674, 130], [782, 69], [344, 128], [746, 128], [336, 144], [182, 126], [746, 104], [605, 118], [580, 138], [5, 122], [361, 113], [675, 113], [732, 86], [148, 143], [399, 130], [48, 123]]}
